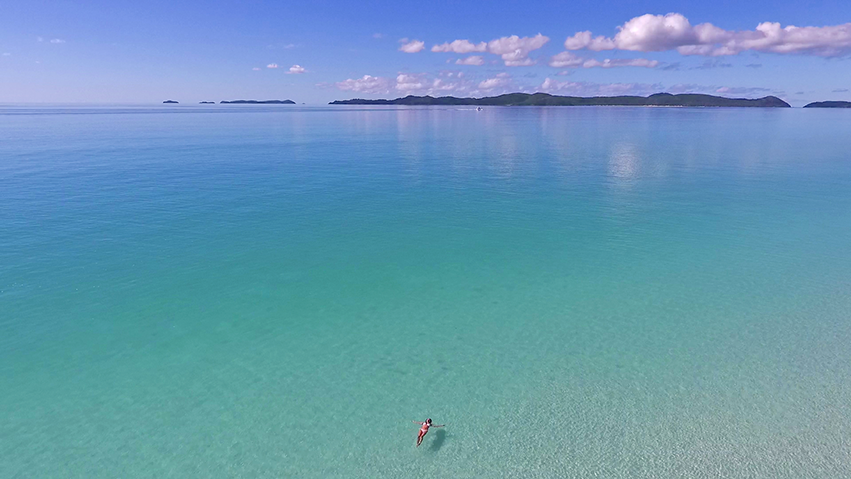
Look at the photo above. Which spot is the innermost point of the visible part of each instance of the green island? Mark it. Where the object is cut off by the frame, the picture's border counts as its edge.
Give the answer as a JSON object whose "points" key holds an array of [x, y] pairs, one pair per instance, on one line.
{"points": [[545, 99], [828, 104], [257, 102]]}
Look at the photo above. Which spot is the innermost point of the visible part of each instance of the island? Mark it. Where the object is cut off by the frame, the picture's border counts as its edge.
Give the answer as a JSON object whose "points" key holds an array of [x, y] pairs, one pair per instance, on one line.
{"points": [[171, 101], [828, 104], [207, 102], [257, 102], [545, 99]]}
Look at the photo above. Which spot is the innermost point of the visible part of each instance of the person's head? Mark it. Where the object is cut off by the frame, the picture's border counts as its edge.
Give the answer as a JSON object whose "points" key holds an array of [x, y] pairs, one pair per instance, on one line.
{"points": [[428, 421]]}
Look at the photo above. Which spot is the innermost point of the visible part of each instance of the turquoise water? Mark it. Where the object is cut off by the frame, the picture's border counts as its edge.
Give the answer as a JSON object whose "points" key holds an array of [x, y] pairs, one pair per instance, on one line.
{"points": [[280, 291]]}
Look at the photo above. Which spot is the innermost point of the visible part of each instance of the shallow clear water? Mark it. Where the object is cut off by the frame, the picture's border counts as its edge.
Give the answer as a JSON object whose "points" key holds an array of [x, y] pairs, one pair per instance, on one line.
{"points": [[279, 292]]}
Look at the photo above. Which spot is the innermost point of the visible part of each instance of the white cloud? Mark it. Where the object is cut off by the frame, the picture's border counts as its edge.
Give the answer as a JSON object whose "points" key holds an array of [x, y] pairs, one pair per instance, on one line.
{"points": [[378, 36], [569, 59], [566, 59], [441, 86], [366, 84], [408, 82], [460, 46], [514, 50], [56, 41], [272, 65], [550, 85], [674, 31], [296, 69], [39, 39], [621, 62], [658, 33], [7, 54], [515, 45], [413, 46], [256, 69], [584, 40], [473, 60], [598, 89], [500, 81], [451, 74]]}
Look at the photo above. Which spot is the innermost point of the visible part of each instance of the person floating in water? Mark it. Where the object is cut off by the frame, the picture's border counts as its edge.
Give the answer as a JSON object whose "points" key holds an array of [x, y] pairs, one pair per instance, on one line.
{"points": [[424, 429]]}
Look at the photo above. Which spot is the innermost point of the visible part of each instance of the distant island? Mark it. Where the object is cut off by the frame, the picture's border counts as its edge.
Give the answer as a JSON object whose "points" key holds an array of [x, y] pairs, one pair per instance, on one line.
{"points": [[207, 102], [829, 104], [171, 101], [545, 99], [258, 102]]}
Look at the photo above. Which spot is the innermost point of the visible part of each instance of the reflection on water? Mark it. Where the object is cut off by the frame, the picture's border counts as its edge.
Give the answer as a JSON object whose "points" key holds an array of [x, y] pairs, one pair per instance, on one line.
{"points": [[624, 162]]}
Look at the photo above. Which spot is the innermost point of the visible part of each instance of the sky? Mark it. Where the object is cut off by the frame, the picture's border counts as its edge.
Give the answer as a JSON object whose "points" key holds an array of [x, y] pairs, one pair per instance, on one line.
{"points": [[316, 51]]}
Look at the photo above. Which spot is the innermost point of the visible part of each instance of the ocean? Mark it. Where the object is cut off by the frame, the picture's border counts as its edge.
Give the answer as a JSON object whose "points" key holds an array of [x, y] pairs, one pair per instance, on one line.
{"points": [[279, 291]]}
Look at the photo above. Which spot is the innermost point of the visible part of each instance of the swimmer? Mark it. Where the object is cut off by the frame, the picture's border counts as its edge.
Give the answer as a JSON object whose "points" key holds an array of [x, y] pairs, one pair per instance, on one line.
{"points": [[424, 429]]}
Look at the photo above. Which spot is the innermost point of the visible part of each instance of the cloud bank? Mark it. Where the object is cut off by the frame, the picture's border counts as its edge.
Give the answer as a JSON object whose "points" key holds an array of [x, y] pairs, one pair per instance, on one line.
{"points": [[296, 69], [587, 89], [570, 60], [444, 83], [621, 62], [473, 60], [513, 50], [502, 80], [366, 84], [460, 46], [598, 89], [654, 33]]}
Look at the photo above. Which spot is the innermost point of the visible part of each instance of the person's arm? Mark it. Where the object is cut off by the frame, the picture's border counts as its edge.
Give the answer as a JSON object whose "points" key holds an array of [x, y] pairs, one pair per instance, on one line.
{"points": [[417, 422]]}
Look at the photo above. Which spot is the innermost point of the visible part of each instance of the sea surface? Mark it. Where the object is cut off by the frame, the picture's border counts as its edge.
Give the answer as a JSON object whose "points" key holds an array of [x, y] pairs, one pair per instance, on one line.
{"points": [[279, 291]]}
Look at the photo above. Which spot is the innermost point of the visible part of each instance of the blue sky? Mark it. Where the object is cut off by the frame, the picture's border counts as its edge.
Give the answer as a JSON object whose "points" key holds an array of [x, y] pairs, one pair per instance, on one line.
{"points": [[138, 52]]}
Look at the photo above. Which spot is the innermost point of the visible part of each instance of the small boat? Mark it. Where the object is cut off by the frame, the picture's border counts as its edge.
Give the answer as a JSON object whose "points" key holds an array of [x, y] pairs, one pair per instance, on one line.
{"points": [[478, 108]]}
